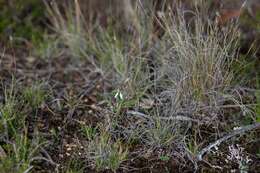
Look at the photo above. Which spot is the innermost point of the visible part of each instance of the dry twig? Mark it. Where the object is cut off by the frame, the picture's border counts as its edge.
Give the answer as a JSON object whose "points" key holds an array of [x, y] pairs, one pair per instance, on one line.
{"points": [[240, 131], [171, 118]]}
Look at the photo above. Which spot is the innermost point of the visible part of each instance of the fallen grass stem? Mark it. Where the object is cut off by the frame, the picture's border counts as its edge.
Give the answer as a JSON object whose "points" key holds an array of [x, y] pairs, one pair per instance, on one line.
{"points": [[240, 131], [171, 118]]}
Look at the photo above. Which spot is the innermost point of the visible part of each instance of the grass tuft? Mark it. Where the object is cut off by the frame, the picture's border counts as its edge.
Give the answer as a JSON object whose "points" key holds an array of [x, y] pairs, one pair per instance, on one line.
{"points": [[105, 154], [34, 95]]}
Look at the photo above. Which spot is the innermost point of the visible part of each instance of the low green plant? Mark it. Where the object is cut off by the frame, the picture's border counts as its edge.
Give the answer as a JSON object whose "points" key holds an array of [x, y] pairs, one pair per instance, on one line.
{"points": [[120, 102], [164, 158], [105, 154], [20, 154], [192, 146], [20, 150], [74, 166], [89, 132], [161, 134], [11, 120], [34, 95]]}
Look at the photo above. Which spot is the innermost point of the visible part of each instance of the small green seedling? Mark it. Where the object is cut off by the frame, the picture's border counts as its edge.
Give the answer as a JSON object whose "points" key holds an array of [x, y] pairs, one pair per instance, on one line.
{"points": [[105, 153], [164, 158], [34, 95], [89, 132], [161, 134]]}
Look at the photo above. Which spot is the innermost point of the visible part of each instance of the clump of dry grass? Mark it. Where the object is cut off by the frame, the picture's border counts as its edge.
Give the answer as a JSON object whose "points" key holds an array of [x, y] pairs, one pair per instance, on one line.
{"points": [[196, 66], [70, 27], [185, 74]]}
